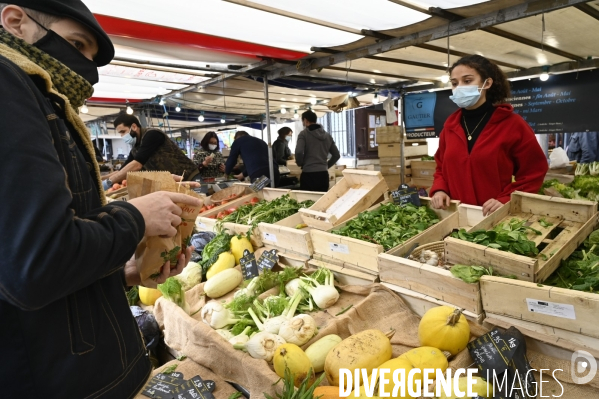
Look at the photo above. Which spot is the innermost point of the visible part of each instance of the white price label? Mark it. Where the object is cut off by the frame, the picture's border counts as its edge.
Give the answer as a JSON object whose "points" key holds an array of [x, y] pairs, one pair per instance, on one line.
{"points": [[551, 308], [200, 225], [343, 249], [270, 237]]}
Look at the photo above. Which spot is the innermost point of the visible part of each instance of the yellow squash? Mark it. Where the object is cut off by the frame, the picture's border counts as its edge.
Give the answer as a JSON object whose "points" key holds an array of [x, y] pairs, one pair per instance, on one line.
{"points": [[480, 387], [426, 357], [292, 357], [148, 296], [318, 351], [238, 245], [365, 350], [400, 363], [444, 328], [225, 261]]}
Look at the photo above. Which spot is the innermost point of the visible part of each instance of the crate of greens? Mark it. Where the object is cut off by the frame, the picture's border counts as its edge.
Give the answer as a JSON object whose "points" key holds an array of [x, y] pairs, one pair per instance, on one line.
{"points": [[527, 237], [567, 300], [290, 235], [358, 242], [428, 270]]}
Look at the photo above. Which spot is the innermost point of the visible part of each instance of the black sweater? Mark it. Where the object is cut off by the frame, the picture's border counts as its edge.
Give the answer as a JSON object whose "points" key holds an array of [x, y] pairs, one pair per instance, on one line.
{"points": [[475, 120]]}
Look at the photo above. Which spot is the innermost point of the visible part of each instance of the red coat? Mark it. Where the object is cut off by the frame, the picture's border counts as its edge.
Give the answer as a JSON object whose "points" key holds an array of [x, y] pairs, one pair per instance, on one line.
{"points": [[507, 146]]}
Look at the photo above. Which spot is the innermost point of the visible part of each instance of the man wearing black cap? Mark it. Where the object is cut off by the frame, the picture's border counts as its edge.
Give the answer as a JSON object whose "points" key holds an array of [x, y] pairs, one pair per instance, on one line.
{"points": [[66, 329]]}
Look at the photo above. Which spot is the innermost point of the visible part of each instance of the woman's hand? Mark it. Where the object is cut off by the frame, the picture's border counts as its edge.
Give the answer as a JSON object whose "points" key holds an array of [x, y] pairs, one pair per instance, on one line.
{"points": [[491, 206], [132, 275], [440, 200]]}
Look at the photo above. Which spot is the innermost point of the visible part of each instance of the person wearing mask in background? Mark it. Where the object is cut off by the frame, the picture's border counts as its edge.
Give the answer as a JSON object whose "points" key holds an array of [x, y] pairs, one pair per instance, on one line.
{"points": [[583, 147], [208, 158], [254, 153], [151, 149], [280, 148], [484, 143], [311, 152], [67, 330]]}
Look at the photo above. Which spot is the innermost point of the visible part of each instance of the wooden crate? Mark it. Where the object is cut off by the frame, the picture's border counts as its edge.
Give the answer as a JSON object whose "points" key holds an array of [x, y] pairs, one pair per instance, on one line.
{"points": [[562, 308], [411, 150], [423, 169], [358, 254], [422, 183], [393, 181], [390, 150], [356, 192], [284, 236], [205, 223], [393, 161], [390, 170], [389, 134], [572, 222], [420, 303], [548, 340], [395, 268], [345, 275]]}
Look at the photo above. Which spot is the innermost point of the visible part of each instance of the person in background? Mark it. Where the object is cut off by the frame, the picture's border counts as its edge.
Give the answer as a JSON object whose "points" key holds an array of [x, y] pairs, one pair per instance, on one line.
{"points": [[151, 149], [484, 143], [551, 142], [280, 148], [583, 147], [311, 152], [208, 158], [67, 329], [254, 153]]}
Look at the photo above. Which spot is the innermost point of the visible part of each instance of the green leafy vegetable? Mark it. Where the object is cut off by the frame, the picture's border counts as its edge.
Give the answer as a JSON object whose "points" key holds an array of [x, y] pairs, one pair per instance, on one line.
{"points": [[304, 391], [170, 369], [219, 244], [173, 291], [427, 158], [389, 225], [545, 223], [510, 236], [235, 395], [472, 274]]}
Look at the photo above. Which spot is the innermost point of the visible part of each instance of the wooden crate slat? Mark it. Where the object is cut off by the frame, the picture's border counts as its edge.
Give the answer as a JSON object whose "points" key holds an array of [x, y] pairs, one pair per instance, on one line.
{"points": [[534, 222], [344, 275], [563, 246], [509, 298], [430, 280]]}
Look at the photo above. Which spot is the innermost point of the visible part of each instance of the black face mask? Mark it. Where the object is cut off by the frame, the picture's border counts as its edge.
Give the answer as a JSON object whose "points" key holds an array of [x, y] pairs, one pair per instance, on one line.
{"points": [[57, 47]]}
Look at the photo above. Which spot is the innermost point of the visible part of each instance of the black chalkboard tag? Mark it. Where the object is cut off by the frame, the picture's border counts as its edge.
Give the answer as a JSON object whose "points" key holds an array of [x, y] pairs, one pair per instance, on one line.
{"points": [[203, 189], [259, 184], [195, 388], [268, 260], [491, 353], [211, 385], [405, 196], [162, 386], [249, 267], [520, 366]]}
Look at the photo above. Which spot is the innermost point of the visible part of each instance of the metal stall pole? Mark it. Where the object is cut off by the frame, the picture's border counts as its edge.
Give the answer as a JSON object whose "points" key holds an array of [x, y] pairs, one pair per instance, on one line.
{"points": [[403, 128], [270, 157]]}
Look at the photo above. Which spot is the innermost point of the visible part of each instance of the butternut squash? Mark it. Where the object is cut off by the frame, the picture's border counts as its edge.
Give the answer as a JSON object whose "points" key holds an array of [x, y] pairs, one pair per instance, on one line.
{"points": [[365, 350]]}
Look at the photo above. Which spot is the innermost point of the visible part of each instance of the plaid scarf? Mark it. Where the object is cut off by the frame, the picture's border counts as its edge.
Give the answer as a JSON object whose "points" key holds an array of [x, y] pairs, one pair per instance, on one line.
{"points": [[64, 80], [61, 81]]}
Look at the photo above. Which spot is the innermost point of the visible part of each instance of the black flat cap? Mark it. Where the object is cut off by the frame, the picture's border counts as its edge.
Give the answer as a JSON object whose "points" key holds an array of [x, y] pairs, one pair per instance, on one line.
{"points": [[76, 10]]}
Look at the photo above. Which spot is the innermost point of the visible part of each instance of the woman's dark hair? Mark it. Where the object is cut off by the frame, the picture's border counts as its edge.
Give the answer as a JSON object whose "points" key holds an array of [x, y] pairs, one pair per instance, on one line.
{"points": [[206, 140], [500, 91], [284, 131]]}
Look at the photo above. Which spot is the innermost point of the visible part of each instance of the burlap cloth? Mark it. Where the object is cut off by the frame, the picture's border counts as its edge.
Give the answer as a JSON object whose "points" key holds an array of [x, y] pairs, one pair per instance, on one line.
{"points": [[190, 369], [374, 306]]}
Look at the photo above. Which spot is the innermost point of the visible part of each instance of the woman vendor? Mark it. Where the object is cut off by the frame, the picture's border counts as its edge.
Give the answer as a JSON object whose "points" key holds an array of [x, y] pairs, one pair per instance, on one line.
{"points": [[484, 143]]}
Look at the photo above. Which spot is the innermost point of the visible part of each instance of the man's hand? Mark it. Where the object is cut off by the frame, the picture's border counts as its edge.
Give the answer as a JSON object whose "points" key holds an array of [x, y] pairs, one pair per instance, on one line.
{"points": [[132, 275], [491, 206], [239, 176], [222, 167], [160, 212], [440, 200]]}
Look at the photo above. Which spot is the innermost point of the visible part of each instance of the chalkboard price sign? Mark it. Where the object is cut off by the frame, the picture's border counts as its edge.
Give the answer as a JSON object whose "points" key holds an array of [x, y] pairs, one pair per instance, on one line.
{"points": [[268, 260], [259, 184], [405, 195], [249, 267]]}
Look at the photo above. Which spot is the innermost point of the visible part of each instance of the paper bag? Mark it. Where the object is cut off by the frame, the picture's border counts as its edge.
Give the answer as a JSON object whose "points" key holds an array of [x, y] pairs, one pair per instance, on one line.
{"points": [[153, 252]]}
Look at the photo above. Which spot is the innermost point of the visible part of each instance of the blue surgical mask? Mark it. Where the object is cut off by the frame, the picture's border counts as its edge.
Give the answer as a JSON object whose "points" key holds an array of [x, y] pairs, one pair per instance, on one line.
{"points": [[288, 138], [129, 139], [466, 96]]}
